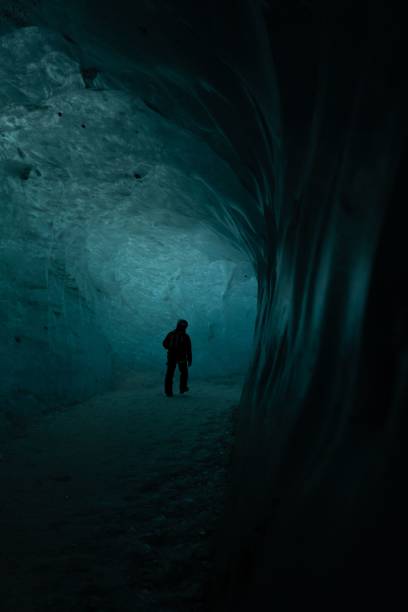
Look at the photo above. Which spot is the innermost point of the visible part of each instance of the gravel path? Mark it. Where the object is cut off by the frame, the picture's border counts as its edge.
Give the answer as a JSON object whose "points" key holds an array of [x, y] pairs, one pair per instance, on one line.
{"points": [[110, 505]]}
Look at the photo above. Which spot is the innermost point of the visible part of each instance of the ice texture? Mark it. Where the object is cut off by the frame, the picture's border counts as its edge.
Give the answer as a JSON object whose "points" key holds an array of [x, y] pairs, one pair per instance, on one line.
{"points": [[109, 232]]}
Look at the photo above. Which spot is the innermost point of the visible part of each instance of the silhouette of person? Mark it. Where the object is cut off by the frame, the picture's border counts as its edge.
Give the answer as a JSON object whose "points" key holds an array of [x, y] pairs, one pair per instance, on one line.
{"points": [[178, 345]]}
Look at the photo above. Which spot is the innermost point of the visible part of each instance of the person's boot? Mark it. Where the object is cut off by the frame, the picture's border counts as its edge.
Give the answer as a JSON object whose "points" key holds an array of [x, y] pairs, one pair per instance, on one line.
{"points": [[184, 390]]}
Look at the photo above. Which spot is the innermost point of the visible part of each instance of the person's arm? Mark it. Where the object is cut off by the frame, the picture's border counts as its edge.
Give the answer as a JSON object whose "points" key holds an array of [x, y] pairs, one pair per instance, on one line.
{"points": [[189, 351], [166, 341]]}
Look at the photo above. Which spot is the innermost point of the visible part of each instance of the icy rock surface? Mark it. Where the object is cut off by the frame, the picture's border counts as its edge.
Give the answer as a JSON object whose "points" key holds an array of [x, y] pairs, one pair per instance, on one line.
{"points": [[158, 276], [110, 231]]}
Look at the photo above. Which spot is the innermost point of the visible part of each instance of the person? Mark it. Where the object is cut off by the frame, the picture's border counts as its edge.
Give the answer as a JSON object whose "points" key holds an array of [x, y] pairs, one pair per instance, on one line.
{"points": [[178, 346]]}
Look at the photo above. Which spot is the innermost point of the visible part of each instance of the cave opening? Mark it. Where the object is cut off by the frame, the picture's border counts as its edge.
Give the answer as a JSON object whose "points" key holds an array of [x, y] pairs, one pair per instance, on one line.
{"points": [[240, 165], [110, 234], [116, 224]]}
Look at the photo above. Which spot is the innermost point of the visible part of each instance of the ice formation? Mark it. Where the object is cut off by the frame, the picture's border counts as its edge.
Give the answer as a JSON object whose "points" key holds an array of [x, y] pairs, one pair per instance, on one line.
{"points": [[110, 231], [154, 157]]}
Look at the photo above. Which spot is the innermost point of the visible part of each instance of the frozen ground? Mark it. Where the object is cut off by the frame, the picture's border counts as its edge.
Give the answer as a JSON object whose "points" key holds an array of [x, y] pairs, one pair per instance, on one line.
{"points": [[110, 505]]}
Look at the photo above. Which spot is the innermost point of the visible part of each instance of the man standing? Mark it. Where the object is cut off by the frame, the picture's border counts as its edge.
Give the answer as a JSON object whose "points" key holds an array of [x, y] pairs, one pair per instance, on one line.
{"points": [[178, 345]]}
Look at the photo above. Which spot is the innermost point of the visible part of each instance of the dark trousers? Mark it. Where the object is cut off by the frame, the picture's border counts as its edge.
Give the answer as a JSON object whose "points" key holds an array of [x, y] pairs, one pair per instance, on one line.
{"points": [[171, 367]]}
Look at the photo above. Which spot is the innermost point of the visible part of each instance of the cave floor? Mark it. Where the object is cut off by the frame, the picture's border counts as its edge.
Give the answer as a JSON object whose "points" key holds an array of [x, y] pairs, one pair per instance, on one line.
{"points": [[110, 505]]}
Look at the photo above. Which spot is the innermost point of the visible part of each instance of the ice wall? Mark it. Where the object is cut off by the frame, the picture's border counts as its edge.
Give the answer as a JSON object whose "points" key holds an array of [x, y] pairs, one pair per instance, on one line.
{"points": [[109, 233], [315, 499], [161, 274]]}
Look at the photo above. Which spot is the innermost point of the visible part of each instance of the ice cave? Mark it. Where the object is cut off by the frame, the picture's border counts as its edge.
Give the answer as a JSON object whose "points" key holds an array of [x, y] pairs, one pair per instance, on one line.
{"points": [[240, 164]]}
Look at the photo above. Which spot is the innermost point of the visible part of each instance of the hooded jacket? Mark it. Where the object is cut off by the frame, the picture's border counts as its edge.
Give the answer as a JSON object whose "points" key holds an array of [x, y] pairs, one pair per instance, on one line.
{"points": [[178, 345]]}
